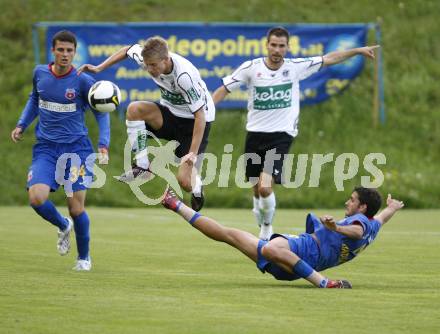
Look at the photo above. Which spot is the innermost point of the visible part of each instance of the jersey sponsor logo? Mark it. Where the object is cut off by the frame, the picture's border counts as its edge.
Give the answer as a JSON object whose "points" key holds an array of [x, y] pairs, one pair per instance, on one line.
{"points": [[70, 93], [57, 107], [273, 97], [193, 94], [173, 98]]}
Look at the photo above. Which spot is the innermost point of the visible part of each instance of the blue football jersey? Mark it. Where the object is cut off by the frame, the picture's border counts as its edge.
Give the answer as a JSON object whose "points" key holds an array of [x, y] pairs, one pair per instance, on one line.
{"points": [[60, 103], [336, 248]]}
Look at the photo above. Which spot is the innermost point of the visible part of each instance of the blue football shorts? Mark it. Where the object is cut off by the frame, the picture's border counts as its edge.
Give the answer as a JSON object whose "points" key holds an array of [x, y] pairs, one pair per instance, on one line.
{"points": [[56, 164], [303, 245]]}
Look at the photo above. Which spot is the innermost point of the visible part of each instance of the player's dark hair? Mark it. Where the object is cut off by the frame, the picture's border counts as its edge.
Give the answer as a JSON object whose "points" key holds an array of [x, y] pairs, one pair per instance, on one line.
{"points": [[371, 197], [278, 32], [64, 36]]}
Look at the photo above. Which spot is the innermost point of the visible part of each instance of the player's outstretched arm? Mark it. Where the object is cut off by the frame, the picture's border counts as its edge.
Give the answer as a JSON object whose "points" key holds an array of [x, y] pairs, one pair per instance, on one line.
{"points": [[219, 94], [393, 205], [337, 57], [113, 59]]}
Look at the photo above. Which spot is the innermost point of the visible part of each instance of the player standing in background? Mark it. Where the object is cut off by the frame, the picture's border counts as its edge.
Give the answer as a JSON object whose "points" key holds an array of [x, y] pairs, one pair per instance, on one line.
{"points": [[325, 244], [184, 113], [273, 112], [59, 99]]}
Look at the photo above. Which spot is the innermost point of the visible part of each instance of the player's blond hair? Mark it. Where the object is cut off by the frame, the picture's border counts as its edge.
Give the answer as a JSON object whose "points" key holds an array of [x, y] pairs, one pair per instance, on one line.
{"points": [[155, 47]]}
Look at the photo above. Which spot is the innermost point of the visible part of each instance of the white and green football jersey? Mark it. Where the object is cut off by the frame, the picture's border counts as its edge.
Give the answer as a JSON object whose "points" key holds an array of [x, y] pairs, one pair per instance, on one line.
{"points": [[273, 96], [183, 91]]}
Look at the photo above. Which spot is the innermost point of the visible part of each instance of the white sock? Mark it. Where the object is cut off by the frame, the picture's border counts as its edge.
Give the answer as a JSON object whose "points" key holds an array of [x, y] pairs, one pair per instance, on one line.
{"points": [[197, 188], [137, 135], [257, 211], [267, 205]]}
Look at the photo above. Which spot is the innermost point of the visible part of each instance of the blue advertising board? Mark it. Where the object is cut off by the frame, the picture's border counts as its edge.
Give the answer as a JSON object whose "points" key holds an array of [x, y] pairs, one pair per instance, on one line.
{"points": [[216, 50]]}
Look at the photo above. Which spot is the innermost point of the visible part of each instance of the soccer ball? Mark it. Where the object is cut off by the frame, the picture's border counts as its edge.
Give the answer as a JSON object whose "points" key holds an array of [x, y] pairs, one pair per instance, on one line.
{"points": [[104, 96]]}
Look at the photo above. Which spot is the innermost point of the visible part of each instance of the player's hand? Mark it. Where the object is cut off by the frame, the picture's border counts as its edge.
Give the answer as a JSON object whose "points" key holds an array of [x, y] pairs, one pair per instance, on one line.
{"points": [[329, 222], [368, 51], [88, 68], [103, 157], [394, 204], [190, 158], [17, 134]]}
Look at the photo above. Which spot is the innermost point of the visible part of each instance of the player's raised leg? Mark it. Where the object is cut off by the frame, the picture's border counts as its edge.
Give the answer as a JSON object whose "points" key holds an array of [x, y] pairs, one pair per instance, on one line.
{"points": [[139, 113], [241, 240], [39, 201], [82, 229]]}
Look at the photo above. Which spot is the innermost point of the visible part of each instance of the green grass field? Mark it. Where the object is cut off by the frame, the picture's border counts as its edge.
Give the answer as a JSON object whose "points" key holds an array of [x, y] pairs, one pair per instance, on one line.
{"points": [[152, 273]]}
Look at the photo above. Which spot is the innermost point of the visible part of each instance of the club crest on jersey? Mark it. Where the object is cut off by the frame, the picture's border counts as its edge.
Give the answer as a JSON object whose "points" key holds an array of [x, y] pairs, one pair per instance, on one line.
{"points": [[70, 93], [259, 75], [285, 73]]}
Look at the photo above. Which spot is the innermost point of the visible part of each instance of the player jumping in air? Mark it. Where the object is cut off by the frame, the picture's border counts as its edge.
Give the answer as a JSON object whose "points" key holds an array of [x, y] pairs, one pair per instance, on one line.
{"points": [[184, 113]]}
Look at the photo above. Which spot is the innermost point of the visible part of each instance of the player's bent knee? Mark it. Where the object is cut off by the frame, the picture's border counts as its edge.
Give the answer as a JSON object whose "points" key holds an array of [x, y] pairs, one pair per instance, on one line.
{"points": [[133, 113], [267, 251], [37, 199], [265, 191], [271, 252], [75, 211]]}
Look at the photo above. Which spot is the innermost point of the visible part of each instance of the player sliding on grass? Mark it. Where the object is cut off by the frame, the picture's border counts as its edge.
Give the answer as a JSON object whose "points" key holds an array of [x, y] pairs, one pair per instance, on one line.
{"points": [[325, 244]]}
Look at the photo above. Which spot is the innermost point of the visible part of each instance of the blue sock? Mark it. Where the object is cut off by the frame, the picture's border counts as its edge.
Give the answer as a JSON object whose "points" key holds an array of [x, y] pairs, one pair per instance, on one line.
{"points": [[194, 218], [49, 212], [82, 235], [303, 269]]}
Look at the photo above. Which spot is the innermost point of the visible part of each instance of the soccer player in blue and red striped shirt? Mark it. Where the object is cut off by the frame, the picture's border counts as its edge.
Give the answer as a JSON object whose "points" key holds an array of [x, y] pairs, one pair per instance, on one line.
{"points": [[59, 101]]}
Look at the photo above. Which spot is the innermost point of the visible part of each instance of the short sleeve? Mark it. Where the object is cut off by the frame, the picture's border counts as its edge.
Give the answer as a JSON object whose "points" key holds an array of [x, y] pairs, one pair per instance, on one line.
{"points": [[305, 67], [135, 53], [191, 92], [239, 77]]}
